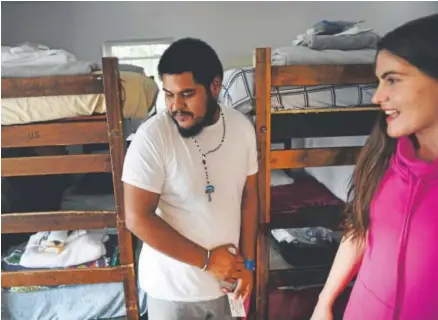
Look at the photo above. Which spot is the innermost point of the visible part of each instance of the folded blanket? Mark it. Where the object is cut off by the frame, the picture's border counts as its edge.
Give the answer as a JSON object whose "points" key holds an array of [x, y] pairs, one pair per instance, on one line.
{"points": [[293, 55], [360, 41]]}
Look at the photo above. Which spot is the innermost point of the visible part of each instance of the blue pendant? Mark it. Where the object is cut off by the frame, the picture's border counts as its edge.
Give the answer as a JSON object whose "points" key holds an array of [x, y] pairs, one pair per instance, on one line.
{"points": [[209, 189]]}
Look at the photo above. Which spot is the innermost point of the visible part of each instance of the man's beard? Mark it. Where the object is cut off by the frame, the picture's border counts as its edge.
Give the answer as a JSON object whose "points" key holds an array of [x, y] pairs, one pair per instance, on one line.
{"points": [[207, 120]]}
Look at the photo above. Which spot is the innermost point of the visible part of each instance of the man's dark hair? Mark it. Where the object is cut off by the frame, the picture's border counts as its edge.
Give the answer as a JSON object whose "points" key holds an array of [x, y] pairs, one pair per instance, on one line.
{"points": [[191, 55]]}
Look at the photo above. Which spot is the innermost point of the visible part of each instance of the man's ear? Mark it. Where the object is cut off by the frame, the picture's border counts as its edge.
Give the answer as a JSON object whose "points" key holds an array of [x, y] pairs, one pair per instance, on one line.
{"points": [[215, 87]]}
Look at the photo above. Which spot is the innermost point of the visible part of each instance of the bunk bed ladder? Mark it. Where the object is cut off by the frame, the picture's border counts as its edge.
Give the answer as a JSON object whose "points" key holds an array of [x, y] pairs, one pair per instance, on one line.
{"points": [[112, 89], [263, 128]]}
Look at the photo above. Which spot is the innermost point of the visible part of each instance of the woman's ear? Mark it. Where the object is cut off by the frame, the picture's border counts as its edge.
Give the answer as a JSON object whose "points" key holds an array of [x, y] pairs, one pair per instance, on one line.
{"points": [[216, 87]]}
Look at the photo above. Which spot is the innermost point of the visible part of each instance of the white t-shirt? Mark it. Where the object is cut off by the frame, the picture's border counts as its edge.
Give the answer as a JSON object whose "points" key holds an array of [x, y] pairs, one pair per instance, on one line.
{"points": [[160, 160]]}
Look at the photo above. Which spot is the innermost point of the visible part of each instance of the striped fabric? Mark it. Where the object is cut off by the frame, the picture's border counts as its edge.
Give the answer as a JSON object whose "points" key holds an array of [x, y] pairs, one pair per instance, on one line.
{"points": [[238, 92]]}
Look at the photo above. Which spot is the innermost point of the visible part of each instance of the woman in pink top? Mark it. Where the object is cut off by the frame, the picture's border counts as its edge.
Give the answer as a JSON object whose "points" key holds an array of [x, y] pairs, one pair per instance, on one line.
{"points": [[392, 218]]}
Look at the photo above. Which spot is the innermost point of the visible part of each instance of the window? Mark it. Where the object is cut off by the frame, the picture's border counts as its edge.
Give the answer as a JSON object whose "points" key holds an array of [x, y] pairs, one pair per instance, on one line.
{"points": [[142, 53]]}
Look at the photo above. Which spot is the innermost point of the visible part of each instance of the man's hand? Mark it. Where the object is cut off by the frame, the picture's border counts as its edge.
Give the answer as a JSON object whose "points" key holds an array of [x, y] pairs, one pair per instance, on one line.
{"points": [[224, 263], [244, 285]]}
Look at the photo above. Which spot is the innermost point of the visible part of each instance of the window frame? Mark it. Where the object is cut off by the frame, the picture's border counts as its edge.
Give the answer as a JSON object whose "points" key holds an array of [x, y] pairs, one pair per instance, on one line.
{"points": [[108, 45]]}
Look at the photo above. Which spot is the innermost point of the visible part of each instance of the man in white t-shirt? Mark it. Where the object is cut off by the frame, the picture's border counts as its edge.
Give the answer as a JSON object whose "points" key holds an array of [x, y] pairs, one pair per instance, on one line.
{"points": [[191, 192]]}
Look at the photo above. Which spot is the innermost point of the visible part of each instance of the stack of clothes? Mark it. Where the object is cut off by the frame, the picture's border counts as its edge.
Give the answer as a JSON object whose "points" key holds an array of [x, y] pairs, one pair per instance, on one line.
{"points": [[62, 250], [338, 35]]}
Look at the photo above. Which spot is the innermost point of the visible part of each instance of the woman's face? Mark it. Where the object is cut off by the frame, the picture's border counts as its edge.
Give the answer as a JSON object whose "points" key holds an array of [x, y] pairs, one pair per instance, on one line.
{"points": [[408, 96]]}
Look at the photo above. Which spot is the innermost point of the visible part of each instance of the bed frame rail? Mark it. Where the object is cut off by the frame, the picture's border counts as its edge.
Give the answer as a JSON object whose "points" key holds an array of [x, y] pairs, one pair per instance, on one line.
{"points": [[315, 157], [51, 86], [312, 75], [45, 165], [57, 220], [55, 134], [62, 276]]}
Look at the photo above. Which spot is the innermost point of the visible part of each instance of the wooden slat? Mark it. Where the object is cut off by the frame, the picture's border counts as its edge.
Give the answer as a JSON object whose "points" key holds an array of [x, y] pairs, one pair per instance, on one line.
{"points": [[94, 117], [61, 276], [54, 134], [263, 128], [117, 151], [45, 165], [317, 157], [327, 217], [51, 86], [312, 75], [28, 222]]}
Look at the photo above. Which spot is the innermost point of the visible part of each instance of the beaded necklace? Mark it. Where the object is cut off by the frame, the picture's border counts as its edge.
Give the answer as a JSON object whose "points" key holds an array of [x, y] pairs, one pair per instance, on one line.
{"points": [[209, 188]]}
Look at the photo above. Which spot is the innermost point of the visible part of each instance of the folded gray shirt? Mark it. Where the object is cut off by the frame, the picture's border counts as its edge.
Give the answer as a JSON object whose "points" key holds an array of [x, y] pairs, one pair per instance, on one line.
{"points": [[364, 40]]}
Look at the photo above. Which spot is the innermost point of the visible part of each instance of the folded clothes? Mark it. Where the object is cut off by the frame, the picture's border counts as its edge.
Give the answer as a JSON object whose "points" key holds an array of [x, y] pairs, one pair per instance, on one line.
{"points": [[86, 247], [12, 258], [326, 27], [361, 41], [54, 241]]}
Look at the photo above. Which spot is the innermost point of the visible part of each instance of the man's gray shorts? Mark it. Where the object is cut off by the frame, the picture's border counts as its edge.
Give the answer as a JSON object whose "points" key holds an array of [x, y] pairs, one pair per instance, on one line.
{"points": [[217, 309]]}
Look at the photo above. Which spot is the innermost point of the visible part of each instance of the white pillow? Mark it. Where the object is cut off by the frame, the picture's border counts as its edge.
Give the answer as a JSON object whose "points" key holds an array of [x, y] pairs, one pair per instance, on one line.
{"points": [[280, 178]]}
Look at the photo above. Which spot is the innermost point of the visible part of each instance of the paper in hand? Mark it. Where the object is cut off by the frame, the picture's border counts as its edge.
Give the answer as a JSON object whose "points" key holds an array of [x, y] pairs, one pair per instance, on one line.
{"points": [[236, 306]]}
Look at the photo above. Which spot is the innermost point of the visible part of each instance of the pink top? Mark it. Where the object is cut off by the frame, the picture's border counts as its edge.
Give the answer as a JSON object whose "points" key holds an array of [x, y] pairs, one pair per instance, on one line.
{"points": [[398, 278]]}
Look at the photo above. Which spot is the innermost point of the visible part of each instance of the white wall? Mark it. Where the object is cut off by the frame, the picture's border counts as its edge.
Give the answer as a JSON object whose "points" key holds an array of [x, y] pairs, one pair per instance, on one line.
{"points": [[234, 29]]}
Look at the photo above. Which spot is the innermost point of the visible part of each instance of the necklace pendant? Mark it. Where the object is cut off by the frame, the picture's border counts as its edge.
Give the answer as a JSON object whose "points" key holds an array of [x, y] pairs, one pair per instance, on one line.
{"points": [[209, 189]]}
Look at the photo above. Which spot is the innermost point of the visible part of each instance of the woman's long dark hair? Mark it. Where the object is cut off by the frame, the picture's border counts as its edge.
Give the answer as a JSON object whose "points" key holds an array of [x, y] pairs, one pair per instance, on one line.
{"points": [[416, 42]]}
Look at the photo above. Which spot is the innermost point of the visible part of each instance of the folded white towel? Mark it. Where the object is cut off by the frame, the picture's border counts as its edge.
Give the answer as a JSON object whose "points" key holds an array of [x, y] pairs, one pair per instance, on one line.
{"points": [[84, 248]]}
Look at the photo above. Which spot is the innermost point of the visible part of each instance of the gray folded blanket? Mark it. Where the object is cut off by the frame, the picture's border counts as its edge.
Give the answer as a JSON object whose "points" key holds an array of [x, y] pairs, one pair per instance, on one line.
{"points": [[364, 40]]}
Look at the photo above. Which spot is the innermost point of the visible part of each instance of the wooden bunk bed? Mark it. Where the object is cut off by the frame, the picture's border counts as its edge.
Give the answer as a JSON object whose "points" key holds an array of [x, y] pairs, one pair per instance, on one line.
{"points": [[281, 126], [96, 129]]}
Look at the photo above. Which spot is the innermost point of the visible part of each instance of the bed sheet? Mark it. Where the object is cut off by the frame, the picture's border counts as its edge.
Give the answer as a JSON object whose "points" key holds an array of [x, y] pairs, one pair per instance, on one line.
{"points": [[139, 94]]}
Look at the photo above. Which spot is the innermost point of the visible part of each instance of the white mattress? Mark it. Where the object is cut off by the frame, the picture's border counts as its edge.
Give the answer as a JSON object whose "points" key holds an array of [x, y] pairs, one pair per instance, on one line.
{"points": [[238, 88]]}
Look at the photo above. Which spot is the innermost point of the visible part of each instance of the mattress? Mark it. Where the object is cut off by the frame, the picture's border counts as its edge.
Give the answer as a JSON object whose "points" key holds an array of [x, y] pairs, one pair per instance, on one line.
{"points": [[96, 301], [138, 93], [238, 88]]}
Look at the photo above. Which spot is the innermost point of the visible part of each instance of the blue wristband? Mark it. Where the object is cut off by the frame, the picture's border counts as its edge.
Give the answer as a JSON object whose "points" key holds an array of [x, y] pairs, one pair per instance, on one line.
{"points": [[250, 265]]}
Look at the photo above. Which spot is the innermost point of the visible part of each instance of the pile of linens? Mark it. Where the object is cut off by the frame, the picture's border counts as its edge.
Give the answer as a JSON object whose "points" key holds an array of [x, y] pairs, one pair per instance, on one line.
{"points": [[62, 250], [338, 35]]}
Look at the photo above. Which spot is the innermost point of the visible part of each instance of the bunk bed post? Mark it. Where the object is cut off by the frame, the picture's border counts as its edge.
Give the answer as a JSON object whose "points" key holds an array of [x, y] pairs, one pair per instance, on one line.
{"points": [[112, 88], [263, 128]]}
